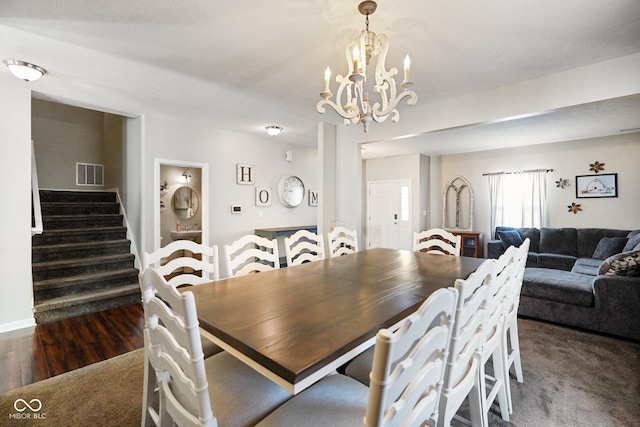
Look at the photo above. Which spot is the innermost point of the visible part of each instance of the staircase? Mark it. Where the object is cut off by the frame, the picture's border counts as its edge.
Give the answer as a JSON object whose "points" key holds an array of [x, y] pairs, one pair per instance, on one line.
{"points": [[82, 261]]}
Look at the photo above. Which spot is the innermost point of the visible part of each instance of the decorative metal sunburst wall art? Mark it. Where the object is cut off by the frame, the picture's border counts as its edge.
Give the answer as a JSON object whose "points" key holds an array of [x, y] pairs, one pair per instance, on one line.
{"points": [[596, 167], [574, 208], [562, 183]]}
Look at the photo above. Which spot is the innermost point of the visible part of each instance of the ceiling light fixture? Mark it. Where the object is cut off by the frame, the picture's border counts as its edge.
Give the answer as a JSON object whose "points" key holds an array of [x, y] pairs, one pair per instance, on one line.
{"points": [[273, 130], [356, 106], [24, 70]]}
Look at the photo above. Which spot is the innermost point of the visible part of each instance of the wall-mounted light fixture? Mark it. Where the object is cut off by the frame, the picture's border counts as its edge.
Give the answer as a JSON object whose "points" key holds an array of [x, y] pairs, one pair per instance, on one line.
{"points": [[25, 70], [186, 176], [273, 130]]}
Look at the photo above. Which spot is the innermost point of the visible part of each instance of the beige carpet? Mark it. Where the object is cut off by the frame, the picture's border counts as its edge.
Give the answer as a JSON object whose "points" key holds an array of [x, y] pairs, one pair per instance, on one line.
{"points": [[107, 393], [572, 378]]}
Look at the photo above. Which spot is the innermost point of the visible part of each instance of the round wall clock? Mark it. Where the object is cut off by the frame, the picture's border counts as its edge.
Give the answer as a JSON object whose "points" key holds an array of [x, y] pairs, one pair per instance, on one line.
{"points": [[291, 191]]}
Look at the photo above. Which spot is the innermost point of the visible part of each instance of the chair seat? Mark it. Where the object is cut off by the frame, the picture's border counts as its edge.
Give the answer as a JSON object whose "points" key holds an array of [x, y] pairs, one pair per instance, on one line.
{"points": [[336, 401], [360, 367], [240, 396], [209, 348]]}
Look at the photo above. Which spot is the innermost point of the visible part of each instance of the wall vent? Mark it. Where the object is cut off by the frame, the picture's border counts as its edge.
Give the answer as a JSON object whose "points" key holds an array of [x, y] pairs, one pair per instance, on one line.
{"points": [[89, 174]]}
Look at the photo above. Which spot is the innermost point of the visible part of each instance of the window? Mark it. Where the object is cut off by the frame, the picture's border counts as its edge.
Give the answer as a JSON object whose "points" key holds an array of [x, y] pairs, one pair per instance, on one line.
{"points": [[404, 203], [518, 199]]}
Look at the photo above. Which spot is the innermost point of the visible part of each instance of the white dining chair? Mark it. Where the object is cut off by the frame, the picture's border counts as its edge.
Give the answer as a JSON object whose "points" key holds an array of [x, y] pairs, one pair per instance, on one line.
{"points": [[183, 388], [250, 254], [342, 241], [437, 241], [184, 262], [172, 264], [303, 246], [495, 386], [461, 379], [510, 341], [406, 378]]}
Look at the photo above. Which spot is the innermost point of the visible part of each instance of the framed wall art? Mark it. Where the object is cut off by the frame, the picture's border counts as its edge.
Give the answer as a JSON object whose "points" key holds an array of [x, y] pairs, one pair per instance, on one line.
{"points": [[597, 186]]}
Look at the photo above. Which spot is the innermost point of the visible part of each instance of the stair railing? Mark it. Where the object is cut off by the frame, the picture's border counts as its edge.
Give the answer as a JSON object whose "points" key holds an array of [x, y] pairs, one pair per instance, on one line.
{"points": [[134, 247], [36, 225]]}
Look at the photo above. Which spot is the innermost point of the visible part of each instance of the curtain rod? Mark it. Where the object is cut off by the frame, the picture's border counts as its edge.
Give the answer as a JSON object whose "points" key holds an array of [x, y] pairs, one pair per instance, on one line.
{"points": [[509, 173]]}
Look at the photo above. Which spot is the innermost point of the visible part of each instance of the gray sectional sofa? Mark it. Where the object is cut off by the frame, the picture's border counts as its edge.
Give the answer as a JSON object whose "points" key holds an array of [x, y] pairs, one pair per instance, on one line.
{"points": [[587, 278]]}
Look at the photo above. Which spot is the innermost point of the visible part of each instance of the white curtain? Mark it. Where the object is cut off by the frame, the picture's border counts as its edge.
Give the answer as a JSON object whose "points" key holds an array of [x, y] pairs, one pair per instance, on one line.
{"points": [[496, 197], [518, 199]]}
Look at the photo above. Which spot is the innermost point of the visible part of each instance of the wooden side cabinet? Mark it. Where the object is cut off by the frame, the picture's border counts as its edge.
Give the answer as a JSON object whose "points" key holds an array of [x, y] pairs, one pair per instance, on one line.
{"points": [[472, 244]]}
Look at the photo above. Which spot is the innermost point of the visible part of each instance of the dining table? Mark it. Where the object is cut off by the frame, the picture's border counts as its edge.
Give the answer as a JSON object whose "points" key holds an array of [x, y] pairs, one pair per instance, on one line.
{"points": [[297, 324]]}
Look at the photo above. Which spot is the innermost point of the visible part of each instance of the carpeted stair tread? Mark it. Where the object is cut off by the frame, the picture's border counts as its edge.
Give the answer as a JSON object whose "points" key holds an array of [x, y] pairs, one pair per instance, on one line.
{"points": [[86, 297], [79, 208], [61, 282], [47, 196], [66, 263], [96, 230], [79, 235], [54, 252], [81, 221], [78, 245]]}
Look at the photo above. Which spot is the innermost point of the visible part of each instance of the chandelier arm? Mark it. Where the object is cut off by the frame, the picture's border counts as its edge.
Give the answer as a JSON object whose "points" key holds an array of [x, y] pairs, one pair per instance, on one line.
{"points": [[381, 114], [348, 115]]}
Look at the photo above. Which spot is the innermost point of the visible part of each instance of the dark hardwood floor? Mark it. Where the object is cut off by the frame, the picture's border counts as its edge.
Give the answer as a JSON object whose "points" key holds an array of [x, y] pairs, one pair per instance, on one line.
{"points": [[34, 354]]}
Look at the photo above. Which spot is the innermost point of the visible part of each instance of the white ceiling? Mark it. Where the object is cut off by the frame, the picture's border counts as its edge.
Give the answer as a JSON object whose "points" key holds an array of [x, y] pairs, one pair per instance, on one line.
{"points": [[246, 64]]}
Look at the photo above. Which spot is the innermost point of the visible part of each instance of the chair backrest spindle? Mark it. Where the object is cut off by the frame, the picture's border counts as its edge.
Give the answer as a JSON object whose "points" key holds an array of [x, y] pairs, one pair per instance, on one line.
{"points": [[303, 246], [250, 254], [176, 263], [437, 241], [342, 241]]}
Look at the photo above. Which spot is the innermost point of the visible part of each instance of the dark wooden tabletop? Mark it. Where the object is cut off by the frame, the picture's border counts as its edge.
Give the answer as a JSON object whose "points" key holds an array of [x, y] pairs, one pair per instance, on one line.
{"points": [[295, 321]]}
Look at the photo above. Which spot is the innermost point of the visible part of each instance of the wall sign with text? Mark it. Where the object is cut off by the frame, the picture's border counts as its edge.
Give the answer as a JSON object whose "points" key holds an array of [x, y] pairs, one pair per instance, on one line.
{"points": [[313, 198], [245, 174], [263, 196]]}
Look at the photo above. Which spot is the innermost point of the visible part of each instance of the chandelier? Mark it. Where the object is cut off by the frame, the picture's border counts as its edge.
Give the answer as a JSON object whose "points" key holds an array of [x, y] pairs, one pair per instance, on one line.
{"points": [[352, 102]]}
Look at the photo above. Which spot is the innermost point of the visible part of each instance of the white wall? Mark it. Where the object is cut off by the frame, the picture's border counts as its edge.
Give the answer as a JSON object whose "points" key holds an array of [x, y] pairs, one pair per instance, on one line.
{"points": [[184, 141], [16, 300], [64, 135], [619, 153]]}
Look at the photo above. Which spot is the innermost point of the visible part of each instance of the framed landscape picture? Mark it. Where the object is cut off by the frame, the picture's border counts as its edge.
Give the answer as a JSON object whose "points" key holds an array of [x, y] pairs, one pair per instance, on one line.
{"points": [[597, 186]]}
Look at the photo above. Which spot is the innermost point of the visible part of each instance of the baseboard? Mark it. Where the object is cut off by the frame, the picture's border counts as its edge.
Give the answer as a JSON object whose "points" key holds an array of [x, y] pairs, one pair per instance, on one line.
{"points": [[18, 324]]}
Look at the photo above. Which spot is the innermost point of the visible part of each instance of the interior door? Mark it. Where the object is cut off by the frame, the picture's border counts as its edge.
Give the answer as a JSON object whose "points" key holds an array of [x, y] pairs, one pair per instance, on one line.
{"points": [[389, 214]]}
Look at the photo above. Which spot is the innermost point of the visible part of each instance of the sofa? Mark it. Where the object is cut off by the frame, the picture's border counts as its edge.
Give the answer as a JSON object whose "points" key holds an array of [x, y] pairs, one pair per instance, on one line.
{"points": [[587, 278]]}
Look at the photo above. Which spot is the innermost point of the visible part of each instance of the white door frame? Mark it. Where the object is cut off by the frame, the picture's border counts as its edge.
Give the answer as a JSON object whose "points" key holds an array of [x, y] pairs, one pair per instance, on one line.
{"points": [[156, 197]]}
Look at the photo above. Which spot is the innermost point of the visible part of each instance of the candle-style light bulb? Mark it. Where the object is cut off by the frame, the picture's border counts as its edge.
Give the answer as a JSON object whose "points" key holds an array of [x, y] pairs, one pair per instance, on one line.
{"points": [[407, 65], [356, 59], [327, 77]]}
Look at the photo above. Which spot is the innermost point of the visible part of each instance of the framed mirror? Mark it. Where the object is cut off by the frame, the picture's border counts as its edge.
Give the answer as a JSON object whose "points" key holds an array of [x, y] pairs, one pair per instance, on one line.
{"points": [[185, 202]]}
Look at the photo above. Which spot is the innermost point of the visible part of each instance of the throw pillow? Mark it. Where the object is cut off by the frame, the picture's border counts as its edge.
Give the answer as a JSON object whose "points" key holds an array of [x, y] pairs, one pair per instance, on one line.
{"points": [[634, 240], [624, 264], [510, 238], [608, 246]]}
